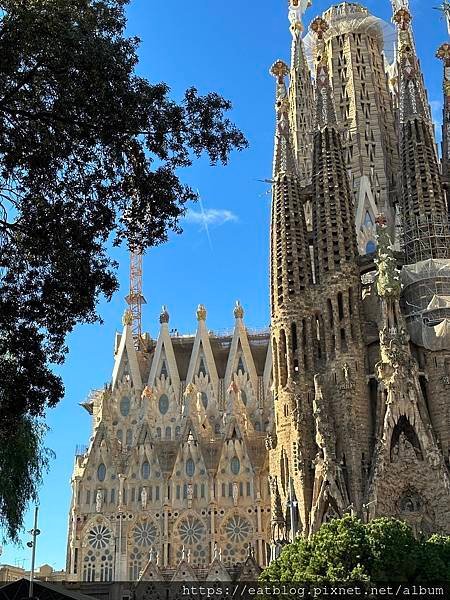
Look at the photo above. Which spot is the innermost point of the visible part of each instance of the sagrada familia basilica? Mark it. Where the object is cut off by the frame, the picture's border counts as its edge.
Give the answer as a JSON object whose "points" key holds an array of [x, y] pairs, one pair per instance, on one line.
{"points": [[208, 453]]}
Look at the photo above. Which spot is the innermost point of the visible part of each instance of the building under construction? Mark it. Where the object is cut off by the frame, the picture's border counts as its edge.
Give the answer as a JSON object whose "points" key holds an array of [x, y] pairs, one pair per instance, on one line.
{"points": [[210, 452]]}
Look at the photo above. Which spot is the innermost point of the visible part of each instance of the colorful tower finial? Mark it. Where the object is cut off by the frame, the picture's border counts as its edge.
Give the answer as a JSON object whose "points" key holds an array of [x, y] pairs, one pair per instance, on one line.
{"points": [[319, 26], [238, 310], [164, 316], [280, 70], [201, 313]]}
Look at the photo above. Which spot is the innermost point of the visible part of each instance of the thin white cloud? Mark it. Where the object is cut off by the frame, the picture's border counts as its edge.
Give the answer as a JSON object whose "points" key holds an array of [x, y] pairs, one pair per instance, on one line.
{"points": [[210, 216]]}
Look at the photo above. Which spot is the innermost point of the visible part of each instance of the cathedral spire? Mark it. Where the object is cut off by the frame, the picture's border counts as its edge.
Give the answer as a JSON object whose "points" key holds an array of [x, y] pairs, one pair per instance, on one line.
{"points": [[290, 252], [422, 198], [333, 213], [284, 161], [443, 54], [413, 97], [301, 94]]}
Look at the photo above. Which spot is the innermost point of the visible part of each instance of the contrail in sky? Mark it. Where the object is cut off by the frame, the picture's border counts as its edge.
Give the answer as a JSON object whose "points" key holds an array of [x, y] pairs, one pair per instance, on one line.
{"points": [[205, 221]]}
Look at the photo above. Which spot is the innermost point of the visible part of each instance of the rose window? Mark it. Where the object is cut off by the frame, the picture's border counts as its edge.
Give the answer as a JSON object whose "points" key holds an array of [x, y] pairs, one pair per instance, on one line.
{"points": [[192, 531], [238, 529], [99, 537], [145, 534]]}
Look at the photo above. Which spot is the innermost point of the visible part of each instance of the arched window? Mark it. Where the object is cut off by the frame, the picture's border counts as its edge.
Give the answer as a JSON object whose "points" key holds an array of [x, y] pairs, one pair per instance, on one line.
{"points": [[145, 470], [129, 439], [190, 467], [168, 433], [235, 465], [370, 247], [101, 472], [163, 404], [177, 431], [125, 406], [202, 368], [120, 435], [240, 366], [204, 400]]}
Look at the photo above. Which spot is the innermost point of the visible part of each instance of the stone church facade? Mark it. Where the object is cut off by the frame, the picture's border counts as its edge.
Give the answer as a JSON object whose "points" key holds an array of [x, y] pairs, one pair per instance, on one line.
{"points": [[208, 453], [177, 468]]}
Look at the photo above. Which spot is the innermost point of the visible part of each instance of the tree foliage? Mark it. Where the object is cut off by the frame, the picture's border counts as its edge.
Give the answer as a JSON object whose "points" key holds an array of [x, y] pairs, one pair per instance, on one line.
{"points": [[89, 151], [348, 551]]}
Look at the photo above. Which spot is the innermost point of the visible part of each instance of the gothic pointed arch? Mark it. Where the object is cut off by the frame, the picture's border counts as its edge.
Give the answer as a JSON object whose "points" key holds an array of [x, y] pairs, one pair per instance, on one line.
{"points": [[164, 365], [240, 356], [202, 358], [126, 364]]}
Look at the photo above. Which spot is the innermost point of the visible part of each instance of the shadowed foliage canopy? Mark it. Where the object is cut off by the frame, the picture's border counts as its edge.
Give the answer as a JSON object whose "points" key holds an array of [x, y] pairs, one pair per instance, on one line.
{"points": [[348, 551], [88, 150]]}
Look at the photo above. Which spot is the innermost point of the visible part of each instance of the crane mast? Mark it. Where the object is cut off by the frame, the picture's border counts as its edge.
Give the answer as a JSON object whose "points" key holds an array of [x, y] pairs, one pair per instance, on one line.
{"points": [[135, 298]]}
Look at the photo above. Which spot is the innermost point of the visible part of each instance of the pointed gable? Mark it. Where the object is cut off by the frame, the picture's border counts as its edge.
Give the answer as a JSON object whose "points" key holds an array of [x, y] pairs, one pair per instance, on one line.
{"points": [[202, 359], [217, 571], [151, 572], [126, 361], [164, 364], [240, 355], [250, 570], [184, 572]]}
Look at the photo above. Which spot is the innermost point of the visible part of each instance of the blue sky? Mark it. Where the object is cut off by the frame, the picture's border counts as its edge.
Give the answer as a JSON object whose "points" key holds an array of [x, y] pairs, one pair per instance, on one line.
{"points": [[227, 47]]}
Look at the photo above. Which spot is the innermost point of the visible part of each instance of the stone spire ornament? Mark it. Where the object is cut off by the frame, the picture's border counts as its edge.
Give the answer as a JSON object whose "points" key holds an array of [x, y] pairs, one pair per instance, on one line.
{"points": [[164, 317], [238, 311], [201, 313], [127, 318]]}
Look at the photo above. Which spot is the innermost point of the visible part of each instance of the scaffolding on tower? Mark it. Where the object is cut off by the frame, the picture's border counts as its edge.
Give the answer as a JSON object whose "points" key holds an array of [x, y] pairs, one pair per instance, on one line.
{"points": [[135, 298]]}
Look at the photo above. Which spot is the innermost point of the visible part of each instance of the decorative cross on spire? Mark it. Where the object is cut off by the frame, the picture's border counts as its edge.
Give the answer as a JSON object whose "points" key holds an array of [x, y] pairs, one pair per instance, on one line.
{"points": [[280, 70], [402, 18], [319, 26]]}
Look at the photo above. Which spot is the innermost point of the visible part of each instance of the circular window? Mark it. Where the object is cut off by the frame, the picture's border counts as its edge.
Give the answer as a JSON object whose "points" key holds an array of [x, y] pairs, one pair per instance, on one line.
{"points": [[145, 470], [163, 404], [99, 537], [192, 531], [125, 406], [238, 529], [145, 534], [101, 472], [235, 465], [190, 467], [204, 400], [244, 397]]}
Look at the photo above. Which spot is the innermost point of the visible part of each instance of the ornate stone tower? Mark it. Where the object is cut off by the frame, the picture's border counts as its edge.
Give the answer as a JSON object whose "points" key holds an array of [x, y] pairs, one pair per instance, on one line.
{"points": [[355, 44], [360, 349]]}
